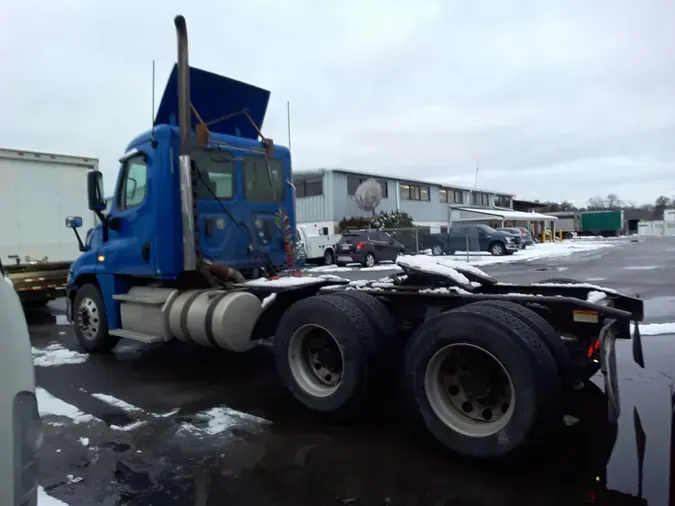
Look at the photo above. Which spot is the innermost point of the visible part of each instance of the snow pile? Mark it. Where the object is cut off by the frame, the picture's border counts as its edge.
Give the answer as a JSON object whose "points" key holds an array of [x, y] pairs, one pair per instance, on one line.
{"points": [[433, 265], [536, 252], [222, 419], [56, 355], [283, 282], [46, 500], [48, 405], [595, 296], [118, 403]]}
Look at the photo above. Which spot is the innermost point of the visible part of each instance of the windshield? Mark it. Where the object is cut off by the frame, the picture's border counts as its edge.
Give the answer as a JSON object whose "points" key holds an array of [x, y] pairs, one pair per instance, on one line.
{"points": [[261, 184]]}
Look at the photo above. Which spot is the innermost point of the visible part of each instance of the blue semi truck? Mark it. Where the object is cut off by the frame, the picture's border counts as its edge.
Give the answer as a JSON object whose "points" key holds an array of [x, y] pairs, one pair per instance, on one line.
{"points": [[196, 245]]}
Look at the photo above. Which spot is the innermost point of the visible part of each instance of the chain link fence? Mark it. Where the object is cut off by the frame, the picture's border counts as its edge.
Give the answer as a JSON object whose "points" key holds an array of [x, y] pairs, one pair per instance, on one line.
{"points": [[421, 240]]}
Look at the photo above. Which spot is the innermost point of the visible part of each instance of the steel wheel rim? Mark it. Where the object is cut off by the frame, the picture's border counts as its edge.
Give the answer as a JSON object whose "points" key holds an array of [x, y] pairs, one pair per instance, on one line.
{"points": [[370, 260], [318, 372], [461, 397], [88, 318]]}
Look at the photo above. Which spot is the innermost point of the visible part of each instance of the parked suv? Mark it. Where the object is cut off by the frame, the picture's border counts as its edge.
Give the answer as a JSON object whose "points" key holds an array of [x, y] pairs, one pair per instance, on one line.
{"points": [[367, 247], [526, 238], [481, 238]]}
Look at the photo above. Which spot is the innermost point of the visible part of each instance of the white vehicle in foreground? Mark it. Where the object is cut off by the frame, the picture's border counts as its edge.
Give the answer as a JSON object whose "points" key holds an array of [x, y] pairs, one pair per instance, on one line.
{"points": [[20, 426]]}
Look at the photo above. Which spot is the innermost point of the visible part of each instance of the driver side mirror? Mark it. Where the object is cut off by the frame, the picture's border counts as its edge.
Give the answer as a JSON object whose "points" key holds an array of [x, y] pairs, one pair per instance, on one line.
{"points": [[73, 222], [391, 241], [95, 191]]}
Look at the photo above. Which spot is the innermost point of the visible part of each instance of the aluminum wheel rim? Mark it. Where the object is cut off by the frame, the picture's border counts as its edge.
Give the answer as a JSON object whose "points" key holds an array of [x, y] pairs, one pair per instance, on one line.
{"points": [[88, 318], [436, 250], [316, 361], [471, 395], [370, 260], [497, 249]]}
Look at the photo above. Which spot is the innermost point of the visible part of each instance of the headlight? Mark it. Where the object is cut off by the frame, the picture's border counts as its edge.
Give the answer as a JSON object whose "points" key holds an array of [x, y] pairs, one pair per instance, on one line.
{"points": [[27, 441], [509, 239]]}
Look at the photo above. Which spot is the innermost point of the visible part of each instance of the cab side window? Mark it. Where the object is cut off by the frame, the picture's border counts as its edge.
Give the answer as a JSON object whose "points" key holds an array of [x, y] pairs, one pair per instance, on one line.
{"points": [[134, 184]]}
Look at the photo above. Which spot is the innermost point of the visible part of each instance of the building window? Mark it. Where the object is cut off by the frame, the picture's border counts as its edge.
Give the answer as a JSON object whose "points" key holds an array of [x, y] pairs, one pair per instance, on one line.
{"points": [[353, 183], [414, 192], [501, 201], [308, 188], [480, 199], [451, 196]]}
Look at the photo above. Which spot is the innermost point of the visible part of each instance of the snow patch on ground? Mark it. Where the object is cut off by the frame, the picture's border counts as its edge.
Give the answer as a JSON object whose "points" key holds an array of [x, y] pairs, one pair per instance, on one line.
{"points": [[46, 500], [641, 267], [381, 267], [222, 419], [118, 403], [56, 355], [329, 268], [48, 405], [655, 329]]}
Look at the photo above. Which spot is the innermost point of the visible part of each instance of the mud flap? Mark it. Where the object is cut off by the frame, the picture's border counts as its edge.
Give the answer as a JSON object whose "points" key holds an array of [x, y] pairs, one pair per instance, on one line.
{"points": [[608, 367]]}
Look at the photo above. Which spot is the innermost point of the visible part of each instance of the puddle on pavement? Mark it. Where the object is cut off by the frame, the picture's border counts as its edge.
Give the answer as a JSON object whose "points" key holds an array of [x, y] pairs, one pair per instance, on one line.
{"points": [[387, 462]]}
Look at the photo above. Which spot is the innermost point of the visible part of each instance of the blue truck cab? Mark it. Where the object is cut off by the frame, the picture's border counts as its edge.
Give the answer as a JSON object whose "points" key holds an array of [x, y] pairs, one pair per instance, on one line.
{"points": [[202, 188]]}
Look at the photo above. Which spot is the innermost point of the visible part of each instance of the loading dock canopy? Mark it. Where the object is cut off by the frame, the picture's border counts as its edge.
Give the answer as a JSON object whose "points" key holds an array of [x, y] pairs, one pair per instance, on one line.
{"points": [[503, 214]]}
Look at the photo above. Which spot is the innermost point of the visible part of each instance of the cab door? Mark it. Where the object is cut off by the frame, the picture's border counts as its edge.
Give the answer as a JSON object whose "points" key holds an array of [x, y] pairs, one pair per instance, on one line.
{"points": [[129, 249]]}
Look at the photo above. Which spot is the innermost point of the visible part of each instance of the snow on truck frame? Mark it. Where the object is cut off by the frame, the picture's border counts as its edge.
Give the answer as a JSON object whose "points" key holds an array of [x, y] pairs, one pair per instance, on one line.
{"points": [[487, 366]]}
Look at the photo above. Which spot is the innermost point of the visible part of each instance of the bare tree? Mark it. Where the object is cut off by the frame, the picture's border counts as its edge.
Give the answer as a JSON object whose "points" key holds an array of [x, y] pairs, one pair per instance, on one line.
{"points": [[596, 204], [613, 202]]}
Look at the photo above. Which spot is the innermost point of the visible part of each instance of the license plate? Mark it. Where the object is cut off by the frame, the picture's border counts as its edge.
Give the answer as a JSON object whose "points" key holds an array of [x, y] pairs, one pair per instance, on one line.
{"points": [[609, 371]]}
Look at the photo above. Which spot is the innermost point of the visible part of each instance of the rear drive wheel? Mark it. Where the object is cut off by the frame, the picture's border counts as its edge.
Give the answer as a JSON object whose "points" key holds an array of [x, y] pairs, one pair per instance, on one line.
{"points": [[496, 249], [437, 250], [369, 261], [328, 257], [484, 384], [326, 351], [90, 321], [545, 331]]}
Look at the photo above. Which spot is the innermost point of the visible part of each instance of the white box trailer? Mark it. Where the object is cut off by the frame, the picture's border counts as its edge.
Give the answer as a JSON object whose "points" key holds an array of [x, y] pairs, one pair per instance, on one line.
{"points": [[37, 192]]}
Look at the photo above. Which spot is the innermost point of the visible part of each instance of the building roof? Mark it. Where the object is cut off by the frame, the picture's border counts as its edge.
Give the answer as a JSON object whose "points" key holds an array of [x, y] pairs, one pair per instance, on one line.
{"points": [[321, 171], [507, 214], [529, 203]]}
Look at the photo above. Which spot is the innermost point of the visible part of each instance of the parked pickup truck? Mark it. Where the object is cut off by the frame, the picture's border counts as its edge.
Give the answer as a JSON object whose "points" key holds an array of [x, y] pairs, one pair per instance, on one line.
{"points": [[471, 238]]}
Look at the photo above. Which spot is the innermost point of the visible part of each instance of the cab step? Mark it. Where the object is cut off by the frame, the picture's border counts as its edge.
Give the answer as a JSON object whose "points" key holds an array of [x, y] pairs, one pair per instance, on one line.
{"points": [[136, 336]]}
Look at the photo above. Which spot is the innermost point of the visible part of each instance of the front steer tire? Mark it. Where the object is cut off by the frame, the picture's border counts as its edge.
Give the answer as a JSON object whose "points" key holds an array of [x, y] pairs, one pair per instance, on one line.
{"points": [[359, 343], [537, 390], [90, 321]]}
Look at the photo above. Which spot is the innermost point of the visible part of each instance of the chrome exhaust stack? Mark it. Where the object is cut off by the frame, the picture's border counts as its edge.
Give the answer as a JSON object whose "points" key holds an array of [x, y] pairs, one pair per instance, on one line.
{"points": [[187, 194]]}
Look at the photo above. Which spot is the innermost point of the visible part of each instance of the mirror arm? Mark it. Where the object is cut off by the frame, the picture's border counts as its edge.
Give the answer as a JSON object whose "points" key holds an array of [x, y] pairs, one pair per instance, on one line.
{"points": [[80, 244], [113, 223]]}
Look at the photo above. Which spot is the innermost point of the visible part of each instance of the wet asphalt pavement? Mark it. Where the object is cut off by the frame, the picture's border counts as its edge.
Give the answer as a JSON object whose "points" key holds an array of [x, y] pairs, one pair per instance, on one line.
{"points": [[163, 450]]}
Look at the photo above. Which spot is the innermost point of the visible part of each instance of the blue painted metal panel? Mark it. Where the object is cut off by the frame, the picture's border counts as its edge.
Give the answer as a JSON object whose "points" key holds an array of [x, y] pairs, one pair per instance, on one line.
{"points": [[217, 99]]}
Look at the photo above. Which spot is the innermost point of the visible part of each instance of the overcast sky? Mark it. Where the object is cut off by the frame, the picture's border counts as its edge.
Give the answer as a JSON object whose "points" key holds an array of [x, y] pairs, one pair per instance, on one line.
{"points": [[556, 100]]}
